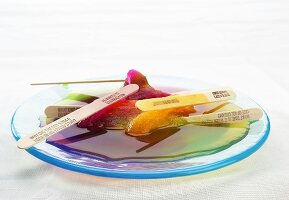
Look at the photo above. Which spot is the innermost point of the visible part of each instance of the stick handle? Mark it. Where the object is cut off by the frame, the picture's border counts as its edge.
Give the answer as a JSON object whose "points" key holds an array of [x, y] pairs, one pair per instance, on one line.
{"points": [[227, 116], [174, 101], [79, 82], [58, 111]]}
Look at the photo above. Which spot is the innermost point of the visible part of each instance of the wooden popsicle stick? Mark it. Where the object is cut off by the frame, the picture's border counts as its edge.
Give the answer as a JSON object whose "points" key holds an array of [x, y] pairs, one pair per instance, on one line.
{"points": [[180, 100], [80, 82], [227, 116], [57, 111], [76, 116]]}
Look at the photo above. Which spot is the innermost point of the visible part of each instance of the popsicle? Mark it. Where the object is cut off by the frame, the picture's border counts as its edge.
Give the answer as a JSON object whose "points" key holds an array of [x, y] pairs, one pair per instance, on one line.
{"points": [[119, 114], [147, 122]]}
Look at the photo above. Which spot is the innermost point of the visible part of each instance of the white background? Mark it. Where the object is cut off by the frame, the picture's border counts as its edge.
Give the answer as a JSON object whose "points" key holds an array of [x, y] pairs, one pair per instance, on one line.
{"points": [[240, 43]]}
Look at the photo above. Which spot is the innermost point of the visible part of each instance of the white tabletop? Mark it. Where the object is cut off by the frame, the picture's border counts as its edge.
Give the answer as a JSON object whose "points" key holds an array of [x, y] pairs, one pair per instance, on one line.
{"points": [[242, 44]]}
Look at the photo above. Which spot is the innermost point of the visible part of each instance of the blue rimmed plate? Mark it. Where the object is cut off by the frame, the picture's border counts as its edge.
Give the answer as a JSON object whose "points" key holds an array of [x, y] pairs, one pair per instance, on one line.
{"points": [[167, 153]]}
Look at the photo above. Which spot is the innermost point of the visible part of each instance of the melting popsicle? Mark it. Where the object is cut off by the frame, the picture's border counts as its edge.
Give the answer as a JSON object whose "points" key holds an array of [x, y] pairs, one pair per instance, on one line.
{"points": [[119, 114], [147, 122]]}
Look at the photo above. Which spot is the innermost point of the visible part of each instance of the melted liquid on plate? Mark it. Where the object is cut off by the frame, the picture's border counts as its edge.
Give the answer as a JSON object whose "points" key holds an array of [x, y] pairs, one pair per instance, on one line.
{"points": [[162, 145]]}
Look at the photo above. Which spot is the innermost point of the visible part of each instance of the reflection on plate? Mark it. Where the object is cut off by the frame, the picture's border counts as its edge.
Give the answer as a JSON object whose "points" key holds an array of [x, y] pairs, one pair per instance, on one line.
{"points": [[167, 152]]}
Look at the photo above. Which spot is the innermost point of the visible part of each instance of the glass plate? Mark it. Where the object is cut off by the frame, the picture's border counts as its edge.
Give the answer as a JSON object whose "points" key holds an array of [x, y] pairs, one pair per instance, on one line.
{"points": [[113, 154]]}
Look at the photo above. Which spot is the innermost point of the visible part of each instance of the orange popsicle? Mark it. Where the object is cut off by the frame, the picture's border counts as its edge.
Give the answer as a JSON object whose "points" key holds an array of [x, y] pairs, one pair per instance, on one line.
{"points": [[146, 122]]}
